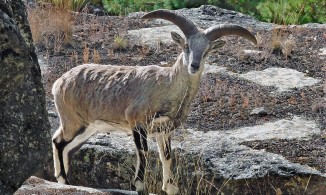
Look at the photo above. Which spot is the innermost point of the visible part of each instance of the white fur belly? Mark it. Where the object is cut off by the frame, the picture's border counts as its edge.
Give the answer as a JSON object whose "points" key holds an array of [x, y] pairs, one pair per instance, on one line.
{"points": [[106, 127], [160, 120]]}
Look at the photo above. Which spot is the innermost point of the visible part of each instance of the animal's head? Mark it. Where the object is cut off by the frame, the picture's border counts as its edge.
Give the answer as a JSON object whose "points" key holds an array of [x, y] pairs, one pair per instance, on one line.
{"points": [[197, 42]]}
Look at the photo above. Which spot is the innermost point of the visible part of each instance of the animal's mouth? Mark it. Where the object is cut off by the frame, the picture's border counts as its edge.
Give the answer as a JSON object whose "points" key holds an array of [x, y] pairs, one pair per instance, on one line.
{"points": [[193, 70]]}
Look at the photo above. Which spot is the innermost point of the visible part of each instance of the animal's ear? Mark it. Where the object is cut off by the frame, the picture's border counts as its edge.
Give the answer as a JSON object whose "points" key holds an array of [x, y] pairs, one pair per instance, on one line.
{"points": [[217, 44], [177, 38]]}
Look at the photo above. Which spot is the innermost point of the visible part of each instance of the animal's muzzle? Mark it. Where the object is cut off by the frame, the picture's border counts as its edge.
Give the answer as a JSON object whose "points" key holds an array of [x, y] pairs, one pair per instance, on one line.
{"points": [[195, 66]]}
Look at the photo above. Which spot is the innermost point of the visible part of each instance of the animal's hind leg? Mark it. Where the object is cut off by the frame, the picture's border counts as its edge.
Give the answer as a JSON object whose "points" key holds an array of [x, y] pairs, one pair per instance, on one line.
{"points": [[140, 139], [64, 150], [58, 144]]}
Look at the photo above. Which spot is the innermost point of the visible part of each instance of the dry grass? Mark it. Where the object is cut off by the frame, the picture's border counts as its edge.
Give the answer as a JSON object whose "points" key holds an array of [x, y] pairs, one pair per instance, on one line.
{"points": [[245, 100], [282, 43], [74, 58], [110, 53], [324, 70], [50, 25], [52, 29], [188, 174], [86, 53], [260, 39], [276, 42], [144, 51], [120, 43], [288, 46], [75, 5], [96, 57], [187, 169]]}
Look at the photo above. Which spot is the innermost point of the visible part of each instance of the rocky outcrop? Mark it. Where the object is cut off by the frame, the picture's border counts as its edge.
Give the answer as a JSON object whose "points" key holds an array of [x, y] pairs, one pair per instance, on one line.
{"points": [[35, 185], [207, 15], [215, 160], [24, 126], [217, 157]]}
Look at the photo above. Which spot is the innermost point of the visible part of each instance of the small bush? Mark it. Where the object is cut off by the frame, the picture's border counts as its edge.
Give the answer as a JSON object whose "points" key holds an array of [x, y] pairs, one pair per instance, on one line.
{"points": [[279, 11], [174, 4], [283, 11], [288, 46], [75, 5], [96, 57], [243, 6], [123, 7], [86, 54], [120, 43]]}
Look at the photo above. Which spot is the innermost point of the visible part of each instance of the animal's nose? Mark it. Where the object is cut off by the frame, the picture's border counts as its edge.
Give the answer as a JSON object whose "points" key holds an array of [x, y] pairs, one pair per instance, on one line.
{"points": [[195, 66]]}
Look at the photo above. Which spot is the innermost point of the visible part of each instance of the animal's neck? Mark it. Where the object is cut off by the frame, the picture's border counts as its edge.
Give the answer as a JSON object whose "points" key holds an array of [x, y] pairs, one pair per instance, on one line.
{"points": [[185, 85]]}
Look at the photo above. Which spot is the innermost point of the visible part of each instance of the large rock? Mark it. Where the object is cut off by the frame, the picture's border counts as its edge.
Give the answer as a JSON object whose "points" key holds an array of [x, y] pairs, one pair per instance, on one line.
{"points": [[207, 15], [25, 135], [35, 185], [217, 158]]}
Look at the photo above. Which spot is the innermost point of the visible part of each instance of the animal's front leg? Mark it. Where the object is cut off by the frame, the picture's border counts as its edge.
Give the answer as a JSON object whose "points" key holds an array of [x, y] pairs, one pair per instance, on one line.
{"points": [[164, 145], [140, 139]]}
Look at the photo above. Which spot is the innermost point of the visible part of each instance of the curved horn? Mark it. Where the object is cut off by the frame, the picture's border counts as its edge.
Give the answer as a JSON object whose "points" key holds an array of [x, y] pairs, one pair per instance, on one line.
{"points": [[187, 27], [216, 32]]}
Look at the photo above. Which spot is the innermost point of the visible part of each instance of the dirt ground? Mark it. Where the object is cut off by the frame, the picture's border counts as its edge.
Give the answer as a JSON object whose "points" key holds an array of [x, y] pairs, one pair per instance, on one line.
{"points": [[224, 102]]}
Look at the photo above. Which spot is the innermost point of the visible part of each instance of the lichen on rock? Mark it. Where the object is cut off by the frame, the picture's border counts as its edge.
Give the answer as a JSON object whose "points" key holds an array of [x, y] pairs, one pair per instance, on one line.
{"points": [[25, 130]]}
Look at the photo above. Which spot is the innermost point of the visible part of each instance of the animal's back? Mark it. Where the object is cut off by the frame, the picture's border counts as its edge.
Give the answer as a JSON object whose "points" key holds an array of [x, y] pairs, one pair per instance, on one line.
{"points": [[90, 92]]}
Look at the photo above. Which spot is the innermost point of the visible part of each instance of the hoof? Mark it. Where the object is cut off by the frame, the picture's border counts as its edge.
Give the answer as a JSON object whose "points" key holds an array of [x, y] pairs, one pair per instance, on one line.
{"points": [[62, 180], [140, 188], [142, 193], [170, 189]]}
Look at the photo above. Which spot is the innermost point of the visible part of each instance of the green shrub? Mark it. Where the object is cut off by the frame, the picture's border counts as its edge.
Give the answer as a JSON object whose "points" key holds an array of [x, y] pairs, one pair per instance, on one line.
{"points": [[292, 11], [282, 11], [243, 6], [113, 6], [75, 5], [120, 43], [174, 4], [196, 3], [277, 11], [123, 7], [96, 2]]}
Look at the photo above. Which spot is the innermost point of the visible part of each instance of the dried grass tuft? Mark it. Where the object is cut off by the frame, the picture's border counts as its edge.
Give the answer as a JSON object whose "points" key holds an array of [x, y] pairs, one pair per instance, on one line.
{"points": [[50, 25]]}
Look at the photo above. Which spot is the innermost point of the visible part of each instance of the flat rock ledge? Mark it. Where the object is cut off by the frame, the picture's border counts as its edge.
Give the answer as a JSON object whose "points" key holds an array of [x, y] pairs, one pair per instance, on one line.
{"points": [[282, 79], [35, 185], [216, 159]]}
